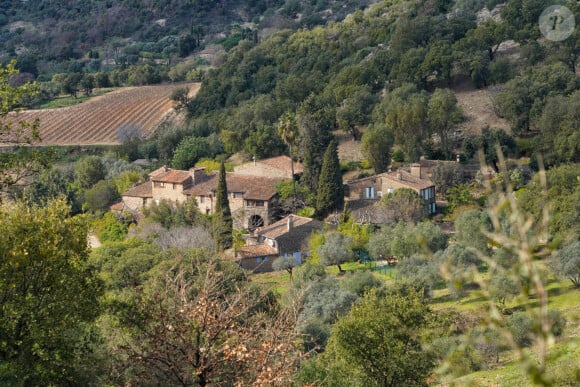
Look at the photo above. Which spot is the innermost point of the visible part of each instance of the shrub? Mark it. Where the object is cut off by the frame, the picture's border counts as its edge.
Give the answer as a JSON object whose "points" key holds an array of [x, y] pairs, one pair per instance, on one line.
{"points": [[359, 282], [520, 326]]}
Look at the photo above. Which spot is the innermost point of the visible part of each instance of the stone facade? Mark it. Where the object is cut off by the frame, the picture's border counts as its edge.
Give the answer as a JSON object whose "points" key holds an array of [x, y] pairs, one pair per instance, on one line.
{"points": [[253, 200], [287, 237], [374, 187]]}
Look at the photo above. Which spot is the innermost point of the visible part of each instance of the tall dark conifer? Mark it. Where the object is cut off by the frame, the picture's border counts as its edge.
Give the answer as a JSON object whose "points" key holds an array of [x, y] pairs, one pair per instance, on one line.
{"points": [[330, 194], [222, 217]]}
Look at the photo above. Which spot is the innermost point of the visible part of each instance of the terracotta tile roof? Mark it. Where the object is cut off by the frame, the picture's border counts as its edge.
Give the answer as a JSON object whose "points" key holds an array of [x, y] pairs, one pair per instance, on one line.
{"points": [[158, 171], [170, 176], [259, 250], [280, 227], [252, 187], [282, 163], [118, 206], [295, 239], [407, 179], [144, 190]]}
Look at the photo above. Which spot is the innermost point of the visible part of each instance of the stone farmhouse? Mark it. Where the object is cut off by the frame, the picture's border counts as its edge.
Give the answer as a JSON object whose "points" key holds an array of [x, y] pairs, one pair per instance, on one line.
{"points": [[253, 199], [372, 188], [287, 237]]}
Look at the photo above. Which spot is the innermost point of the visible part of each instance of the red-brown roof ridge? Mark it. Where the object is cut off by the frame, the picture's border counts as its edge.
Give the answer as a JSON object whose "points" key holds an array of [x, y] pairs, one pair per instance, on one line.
{"points": [[282, 163], [143, 190], [280, 227], [252, 187]]}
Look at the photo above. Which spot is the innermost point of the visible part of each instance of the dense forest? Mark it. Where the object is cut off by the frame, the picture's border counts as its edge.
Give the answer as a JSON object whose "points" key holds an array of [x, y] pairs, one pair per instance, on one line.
{"points": [[161, 302]]}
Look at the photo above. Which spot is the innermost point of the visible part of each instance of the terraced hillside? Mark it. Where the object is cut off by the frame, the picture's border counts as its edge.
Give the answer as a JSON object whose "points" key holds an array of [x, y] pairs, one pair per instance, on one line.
{"points": [[107, 119]]}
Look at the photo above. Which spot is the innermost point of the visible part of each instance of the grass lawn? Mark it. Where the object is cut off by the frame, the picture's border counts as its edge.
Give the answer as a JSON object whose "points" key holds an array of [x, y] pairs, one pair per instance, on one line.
{"points": [[279, 282], [563, 366], [563, 356], [67, 100]]}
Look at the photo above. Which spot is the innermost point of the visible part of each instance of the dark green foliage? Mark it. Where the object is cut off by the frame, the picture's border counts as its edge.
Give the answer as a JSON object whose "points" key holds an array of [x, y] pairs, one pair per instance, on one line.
{"points": [[354, 111], [330, 193], [377, 343], [470, 226], [399, 155], [488, 142], [324, 302], [520, 326], [90, 170], [49, 297], [359, 282], [404, 205], [189, 151], [443, 116], [522, 99], [404, 240], [314, 141], [560, 140], [500, 71], [404, 111], [420, 272], [51, 184], [557, 322], [100, 197], [222, 216], [503, 287], [167, 138], [446, 176], [563, 196], [566, 262], [169, 214], [459, 195], [264, 142], [376, 144], [460, 262]]}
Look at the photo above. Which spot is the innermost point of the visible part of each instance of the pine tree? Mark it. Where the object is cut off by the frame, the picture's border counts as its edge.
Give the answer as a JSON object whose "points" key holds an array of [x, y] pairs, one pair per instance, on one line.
{"points": [[330, 193], [222, 217]]}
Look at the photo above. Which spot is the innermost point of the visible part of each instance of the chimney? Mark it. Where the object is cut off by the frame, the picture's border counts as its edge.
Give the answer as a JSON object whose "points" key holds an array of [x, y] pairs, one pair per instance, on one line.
{"points": [[416, 170], [197, 174], [290, 222]]}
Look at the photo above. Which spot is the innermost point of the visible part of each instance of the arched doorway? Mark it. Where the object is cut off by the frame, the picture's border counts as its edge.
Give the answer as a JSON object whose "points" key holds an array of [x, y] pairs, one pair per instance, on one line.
{"points": [[254, 222]]}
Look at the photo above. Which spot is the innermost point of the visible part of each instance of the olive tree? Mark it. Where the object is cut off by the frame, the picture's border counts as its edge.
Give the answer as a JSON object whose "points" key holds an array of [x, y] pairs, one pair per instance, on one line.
{"points": [[336, 250]]}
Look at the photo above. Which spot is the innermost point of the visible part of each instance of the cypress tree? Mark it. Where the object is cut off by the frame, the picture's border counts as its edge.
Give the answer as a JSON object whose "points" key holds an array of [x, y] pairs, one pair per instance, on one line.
{"points": [[222, 217], [330, 193]]}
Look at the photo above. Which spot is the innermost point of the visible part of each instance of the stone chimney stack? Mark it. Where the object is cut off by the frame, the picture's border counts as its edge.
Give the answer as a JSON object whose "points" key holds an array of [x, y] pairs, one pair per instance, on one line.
{"points": [[290, 222], [197, 174], [416, 170]]}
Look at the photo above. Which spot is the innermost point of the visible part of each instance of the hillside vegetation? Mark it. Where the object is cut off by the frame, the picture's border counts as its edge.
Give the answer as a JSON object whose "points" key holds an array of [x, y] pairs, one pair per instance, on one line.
{"points": [[485, 291]]}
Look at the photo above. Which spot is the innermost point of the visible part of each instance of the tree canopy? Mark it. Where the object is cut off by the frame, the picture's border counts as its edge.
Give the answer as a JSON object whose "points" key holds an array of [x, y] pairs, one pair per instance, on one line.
{"points": [[49, 295]]}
